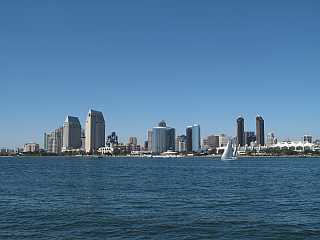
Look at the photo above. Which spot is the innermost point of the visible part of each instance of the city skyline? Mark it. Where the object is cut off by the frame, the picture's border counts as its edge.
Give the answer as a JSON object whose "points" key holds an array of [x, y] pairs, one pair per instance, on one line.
{"points": [[185, 63], [144, 136]]}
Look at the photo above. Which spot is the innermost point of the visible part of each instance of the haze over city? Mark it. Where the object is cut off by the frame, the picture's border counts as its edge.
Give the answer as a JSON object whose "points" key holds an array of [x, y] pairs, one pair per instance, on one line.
{"points": [[185, 63]]}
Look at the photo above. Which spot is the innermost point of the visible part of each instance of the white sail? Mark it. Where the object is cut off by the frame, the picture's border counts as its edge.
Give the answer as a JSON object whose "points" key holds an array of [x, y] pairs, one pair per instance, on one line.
{"points": [[235, 152], [228, 152]]}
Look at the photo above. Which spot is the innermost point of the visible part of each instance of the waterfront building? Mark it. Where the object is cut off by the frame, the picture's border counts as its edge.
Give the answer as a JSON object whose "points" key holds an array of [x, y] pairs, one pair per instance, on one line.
{"points": [[196, 138], [213, 142], [240, 132], [189, 139], [249, 138], [31, 148], [95, 131], [105, 150], [53, 142], [163, 138], [260, 131], [149, 140], [307, 138], [71, 133], [181, 143], [159, 139], [297, 146], [133, 141]]}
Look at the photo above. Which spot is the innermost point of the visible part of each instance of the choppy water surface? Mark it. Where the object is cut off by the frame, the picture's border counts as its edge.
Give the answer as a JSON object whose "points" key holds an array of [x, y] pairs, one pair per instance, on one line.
{"points": [[189, 198]]}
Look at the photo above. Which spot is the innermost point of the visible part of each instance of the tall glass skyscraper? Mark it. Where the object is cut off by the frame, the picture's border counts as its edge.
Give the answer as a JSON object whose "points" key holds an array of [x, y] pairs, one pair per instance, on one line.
{"points": [[171, 139], [196, 139], [163, 138], [260, 131], [189, 139], [193, 139], [240, 132]]}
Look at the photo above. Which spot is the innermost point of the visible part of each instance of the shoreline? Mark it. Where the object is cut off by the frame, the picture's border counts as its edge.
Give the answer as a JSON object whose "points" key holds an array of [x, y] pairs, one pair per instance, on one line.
{"points": [[159, 156]]}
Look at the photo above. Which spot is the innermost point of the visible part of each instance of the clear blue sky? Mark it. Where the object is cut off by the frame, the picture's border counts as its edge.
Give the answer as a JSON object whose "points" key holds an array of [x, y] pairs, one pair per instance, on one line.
{"points": [[143, 61]]}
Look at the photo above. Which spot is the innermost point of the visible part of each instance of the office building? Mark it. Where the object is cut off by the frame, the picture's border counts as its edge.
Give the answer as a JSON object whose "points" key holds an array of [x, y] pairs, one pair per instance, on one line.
{"points": [[171, 138], [189, 139], [213, 142], [159, 139], [163, 138], [71, 133], [193, 138], [196, 138], [95, 131], [181, 143], [260, 131], [53, 142], [240, 132]]}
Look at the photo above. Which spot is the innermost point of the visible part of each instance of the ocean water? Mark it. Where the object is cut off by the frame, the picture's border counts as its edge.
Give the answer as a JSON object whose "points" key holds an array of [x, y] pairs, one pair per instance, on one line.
{"points": [[135, 198]]}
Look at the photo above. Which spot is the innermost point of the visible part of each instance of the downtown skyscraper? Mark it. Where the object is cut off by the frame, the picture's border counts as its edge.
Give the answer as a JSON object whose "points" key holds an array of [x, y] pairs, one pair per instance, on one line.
{"points": [[71, 133], [193, 138], [95, 131], [240, 132], [260, 131], [189, 139], [163, 138]]}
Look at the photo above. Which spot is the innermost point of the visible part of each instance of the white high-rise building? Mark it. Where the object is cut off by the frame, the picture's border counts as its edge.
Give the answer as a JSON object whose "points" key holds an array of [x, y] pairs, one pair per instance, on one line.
{"points": [[196, 140], [71, 133], [95, 131]]}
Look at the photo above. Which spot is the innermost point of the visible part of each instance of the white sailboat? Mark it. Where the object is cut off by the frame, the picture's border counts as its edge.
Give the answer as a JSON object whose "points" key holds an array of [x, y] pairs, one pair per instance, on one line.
{"points": [[235, 153], [229, 153]]}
